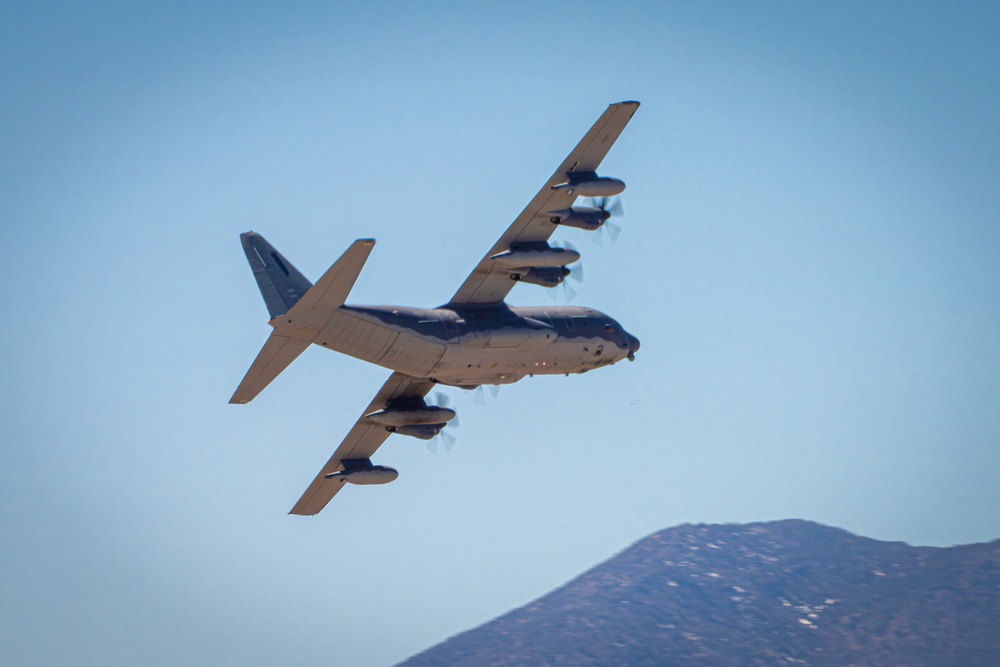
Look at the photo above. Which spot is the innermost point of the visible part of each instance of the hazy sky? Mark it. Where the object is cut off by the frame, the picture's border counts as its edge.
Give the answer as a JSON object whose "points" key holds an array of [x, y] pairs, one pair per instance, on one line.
{"points": [[809, 258]]}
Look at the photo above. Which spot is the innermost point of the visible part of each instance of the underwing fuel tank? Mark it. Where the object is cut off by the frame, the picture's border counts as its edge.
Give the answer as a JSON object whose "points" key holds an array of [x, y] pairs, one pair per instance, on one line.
{"points": [[594, 186], [544, 256], [405, 416], [365, 475]]}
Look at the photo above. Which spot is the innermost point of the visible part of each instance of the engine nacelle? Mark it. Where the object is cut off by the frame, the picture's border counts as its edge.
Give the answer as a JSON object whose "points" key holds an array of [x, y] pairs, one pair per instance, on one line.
{"points": [[544, 256], [549, 276], [422, 431], [412, 416], [593, 186], [580, 217]]}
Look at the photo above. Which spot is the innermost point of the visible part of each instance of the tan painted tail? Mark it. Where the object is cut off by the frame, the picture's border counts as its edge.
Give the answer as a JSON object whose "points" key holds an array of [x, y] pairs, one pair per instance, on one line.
{"points": [[284, 347]]}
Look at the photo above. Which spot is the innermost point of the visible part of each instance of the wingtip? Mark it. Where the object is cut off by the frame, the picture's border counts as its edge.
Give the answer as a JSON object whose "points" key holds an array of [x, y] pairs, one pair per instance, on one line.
{"points": [[626, 103]]}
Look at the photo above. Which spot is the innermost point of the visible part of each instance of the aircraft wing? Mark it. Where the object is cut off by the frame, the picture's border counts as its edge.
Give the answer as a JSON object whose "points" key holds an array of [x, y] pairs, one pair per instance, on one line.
{"points": [[361, 442], [488, 283]]}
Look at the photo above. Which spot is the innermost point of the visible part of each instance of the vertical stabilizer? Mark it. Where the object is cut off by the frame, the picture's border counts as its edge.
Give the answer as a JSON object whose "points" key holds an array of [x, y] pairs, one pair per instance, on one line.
{"points": [[280, 283]]}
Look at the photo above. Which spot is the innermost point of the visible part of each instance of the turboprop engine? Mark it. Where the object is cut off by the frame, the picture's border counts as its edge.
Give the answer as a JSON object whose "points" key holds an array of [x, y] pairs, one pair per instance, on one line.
{"points": [[580, 217], [537, 263], [550, 276], [422, 422], [422, 431]]}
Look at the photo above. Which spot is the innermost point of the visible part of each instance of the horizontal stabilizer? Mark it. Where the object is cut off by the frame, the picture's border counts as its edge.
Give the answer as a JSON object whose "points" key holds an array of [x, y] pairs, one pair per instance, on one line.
{"points": [[280, 283], [274, 357], [285, 290]]}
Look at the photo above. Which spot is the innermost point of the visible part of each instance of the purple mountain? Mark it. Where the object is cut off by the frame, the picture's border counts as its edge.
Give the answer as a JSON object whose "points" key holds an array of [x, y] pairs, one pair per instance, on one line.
{"points": [[780, 593]]}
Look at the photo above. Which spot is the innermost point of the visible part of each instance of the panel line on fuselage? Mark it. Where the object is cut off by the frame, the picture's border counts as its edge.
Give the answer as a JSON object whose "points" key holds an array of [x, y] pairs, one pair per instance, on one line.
{"points": [[473, 345]]}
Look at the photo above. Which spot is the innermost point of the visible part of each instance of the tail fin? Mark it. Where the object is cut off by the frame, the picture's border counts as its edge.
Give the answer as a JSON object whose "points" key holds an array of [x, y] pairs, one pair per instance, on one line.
{"points": [[288, 341], [280, 283]]}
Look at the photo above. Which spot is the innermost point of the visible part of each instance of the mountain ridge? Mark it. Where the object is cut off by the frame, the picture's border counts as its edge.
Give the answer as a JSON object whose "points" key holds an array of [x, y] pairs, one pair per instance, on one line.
{"points": [[781, 592]]}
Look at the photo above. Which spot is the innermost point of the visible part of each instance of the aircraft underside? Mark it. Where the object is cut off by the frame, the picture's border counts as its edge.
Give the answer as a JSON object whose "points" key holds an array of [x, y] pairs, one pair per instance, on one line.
{"points": [[498, 346], [475, 339]]}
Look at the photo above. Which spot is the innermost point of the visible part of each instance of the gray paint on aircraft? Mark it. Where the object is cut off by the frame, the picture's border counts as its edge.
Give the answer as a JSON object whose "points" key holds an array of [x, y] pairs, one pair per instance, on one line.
{"points": [[474, 339], [280, 283]]}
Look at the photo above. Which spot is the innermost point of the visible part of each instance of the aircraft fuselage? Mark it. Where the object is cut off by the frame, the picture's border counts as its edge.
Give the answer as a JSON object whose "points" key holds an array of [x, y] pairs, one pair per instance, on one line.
{"points": [[470, 345]]}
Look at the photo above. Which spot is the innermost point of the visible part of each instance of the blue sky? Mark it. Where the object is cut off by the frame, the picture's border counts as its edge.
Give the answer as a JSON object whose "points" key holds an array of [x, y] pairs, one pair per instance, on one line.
{"points": [[809, 258]]}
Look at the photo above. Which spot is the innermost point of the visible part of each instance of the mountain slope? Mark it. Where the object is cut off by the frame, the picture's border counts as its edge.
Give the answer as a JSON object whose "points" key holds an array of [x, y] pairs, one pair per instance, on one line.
{"points": [[787, 592]]}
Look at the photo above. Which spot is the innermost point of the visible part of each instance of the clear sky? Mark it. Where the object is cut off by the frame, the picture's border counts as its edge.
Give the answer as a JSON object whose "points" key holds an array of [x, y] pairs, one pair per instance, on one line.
{"points": [[810, 258]]}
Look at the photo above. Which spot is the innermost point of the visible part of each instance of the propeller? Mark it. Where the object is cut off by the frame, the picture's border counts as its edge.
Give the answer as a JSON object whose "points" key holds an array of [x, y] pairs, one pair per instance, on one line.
{"points": [[446, 439], [610, 207], [447, 442], [563, 292], [479, 396]]}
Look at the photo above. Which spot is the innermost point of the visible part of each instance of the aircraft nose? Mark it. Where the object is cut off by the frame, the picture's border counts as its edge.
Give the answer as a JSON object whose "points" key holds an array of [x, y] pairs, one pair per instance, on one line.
{"points": [[633, 347]]}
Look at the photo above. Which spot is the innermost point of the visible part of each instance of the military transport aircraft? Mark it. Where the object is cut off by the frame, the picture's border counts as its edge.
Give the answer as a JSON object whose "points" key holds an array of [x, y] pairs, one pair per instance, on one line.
{"points": [[473, 340]]}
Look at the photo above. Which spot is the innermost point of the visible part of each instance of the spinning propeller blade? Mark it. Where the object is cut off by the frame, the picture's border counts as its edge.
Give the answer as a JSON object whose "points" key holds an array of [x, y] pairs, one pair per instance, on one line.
{"points": [[563, 292], [479, 395], [446, 439], [610, 207]]}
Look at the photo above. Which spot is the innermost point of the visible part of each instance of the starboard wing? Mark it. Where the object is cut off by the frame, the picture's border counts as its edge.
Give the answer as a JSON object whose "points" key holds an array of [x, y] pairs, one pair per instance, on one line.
{"points": [[361, 442], [488, 283]]}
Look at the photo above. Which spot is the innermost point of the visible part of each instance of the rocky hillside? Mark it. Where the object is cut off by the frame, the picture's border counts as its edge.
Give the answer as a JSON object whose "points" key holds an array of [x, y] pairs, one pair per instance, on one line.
{"points": [[780, 593]]}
